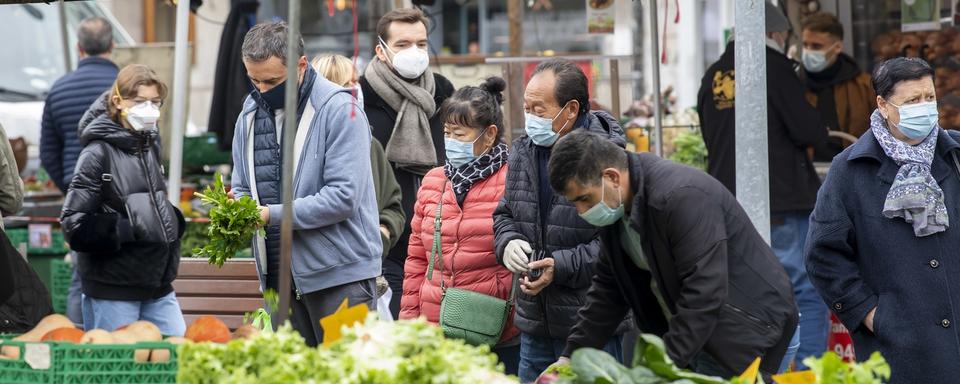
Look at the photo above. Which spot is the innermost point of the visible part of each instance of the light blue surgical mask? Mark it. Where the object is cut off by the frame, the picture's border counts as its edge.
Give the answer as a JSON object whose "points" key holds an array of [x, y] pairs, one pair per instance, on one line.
{"points": [[601, 215], [459, 152], [540, 129], [814, 61], [917, 120]]}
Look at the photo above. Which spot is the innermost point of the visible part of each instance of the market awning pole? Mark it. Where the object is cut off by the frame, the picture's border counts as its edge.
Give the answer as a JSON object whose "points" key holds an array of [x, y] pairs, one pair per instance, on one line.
{"points": [[180, 68], [64, 37], [750, 66], [289, 134], [655, 61]]}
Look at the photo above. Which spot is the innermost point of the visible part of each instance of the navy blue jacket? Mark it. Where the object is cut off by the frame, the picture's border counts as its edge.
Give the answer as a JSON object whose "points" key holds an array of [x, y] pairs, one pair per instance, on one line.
{"points": [[68, 99], [859, 260]]}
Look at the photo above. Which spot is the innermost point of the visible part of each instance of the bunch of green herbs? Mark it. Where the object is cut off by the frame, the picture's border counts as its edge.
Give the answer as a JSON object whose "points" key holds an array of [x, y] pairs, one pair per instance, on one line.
{"points": [[233, 223]]}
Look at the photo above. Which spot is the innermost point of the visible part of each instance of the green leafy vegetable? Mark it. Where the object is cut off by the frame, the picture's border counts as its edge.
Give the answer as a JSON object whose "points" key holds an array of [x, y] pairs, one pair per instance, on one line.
{"points": [[830, 369], [408, 352], [233, 222], [690, 150]]}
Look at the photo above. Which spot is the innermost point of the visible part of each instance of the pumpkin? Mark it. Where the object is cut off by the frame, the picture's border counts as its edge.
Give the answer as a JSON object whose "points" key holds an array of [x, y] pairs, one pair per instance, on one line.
{"points": [[136, 332], [66, 334], [45, 325], [208, 328], [97, 336], [246, 331]]}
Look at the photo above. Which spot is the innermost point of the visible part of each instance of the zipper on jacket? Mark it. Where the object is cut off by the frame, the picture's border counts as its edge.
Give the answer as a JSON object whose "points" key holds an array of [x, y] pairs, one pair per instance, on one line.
{"points": [[153, 197]]}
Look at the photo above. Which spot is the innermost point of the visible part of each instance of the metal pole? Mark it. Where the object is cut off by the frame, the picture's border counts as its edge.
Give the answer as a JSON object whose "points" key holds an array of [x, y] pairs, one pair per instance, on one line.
{"points": [[750, 65], [655, 61], [615, 87], [180, 73], [289, 135], [67, 57]]}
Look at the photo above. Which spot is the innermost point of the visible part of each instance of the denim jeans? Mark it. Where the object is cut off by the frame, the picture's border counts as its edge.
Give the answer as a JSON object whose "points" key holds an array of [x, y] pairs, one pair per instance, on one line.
{"points": [[788, 235], [74, 296], [510, 357], [112, 314], [537, 353], [791, 351]]}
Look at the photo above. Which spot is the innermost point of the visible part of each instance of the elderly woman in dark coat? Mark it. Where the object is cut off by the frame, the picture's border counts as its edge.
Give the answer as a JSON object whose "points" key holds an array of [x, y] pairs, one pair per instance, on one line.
{"points": [[884, 242]]}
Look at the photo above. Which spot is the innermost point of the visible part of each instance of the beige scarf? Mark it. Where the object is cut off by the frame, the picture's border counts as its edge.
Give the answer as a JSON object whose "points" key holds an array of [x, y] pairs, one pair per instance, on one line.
{"points": [[411, 145]]}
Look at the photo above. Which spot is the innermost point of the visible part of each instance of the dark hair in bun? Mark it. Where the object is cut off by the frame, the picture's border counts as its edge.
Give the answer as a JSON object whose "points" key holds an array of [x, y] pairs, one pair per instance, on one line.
{"points": [[476, 107], [495, 86]]}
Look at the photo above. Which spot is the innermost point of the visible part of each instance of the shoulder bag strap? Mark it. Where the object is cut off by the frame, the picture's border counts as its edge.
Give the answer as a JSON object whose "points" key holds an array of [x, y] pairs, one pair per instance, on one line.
{"points": [[436, 252]]}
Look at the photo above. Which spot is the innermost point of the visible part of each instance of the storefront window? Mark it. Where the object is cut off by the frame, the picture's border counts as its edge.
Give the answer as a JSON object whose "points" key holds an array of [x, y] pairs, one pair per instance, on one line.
{"points": [[879, 35]]}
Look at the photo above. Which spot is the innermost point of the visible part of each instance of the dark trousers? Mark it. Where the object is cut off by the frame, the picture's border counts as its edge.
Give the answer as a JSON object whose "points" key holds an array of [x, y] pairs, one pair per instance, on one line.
{"points": [[313, 306], [393, 272]]}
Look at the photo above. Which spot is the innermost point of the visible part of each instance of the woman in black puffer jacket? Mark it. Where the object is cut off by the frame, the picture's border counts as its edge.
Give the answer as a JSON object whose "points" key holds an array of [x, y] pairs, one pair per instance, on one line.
{"points": [[116, 215]]}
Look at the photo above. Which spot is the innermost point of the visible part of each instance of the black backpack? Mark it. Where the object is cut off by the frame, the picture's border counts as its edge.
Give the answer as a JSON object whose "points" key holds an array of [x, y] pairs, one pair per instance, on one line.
{"points": [[24, 300]]}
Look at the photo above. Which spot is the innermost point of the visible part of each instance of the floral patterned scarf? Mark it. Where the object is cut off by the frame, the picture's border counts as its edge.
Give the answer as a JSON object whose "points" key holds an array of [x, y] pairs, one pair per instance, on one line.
{"points": [[915, 195]]}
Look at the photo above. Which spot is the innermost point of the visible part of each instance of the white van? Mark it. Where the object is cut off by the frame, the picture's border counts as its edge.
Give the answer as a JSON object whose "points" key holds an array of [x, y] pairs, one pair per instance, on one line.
{"points": [[32, 59]]}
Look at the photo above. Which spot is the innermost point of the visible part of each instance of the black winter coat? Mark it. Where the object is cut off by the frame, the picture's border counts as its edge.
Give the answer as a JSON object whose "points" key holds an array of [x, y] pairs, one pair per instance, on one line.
{"points": [[382, 118], [116, 214], [793, 125], [24, 300], [859, 260], [726, 290], [571, 242]]}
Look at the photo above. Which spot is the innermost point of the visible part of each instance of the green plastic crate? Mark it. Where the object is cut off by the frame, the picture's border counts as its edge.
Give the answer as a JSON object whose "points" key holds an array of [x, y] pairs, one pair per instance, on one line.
{"points": [[91, 363], [19, 236], [61, 274]]}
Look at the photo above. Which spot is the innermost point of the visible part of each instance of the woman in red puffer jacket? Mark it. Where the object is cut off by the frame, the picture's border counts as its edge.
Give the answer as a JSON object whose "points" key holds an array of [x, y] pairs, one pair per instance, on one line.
{"points": [[470, 185]]}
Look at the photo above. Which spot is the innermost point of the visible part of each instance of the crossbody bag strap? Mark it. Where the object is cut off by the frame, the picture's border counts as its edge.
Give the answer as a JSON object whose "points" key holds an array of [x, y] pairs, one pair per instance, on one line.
{"points": [[513, 289], [436, 251]]}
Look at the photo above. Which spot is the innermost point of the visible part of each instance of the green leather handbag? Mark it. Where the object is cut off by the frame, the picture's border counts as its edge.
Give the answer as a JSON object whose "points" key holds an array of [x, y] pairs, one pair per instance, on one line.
{"points": [[471, 316]]}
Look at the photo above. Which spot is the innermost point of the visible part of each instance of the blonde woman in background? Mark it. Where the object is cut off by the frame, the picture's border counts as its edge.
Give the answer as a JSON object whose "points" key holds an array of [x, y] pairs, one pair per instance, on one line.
{"points": [[341, 71]]}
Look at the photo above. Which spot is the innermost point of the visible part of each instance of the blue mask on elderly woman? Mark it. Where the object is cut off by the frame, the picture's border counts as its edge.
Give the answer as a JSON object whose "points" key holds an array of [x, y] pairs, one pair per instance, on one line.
{"points": [[459, 152], [917, 120]]}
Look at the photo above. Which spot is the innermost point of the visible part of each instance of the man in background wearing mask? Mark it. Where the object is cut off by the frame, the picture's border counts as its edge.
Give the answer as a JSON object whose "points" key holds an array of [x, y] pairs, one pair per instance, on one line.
{"points": [[841, 92], [401, 99], [68, 99], [676, 246], [539, 234], [793, 126], [336, 245]]}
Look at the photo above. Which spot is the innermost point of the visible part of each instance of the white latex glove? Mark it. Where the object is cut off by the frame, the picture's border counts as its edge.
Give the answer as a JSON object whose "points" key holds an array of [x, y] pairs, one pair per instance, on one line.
{"points": [[515, 256]]}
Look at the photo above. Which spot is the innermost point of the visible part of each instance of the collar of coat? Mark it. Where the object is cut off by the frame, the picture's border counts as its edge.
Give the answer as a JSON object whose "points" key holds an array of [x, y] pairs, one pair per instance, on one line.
{"points": [[867, 148]]}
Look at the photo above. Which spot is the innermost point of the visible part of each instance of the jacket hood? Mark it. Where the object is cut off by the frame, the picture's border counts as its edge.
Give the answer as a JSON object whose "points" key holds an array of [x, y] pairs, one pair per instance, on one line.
{"points": [[96, 124], [604, 123], [845, 69]]}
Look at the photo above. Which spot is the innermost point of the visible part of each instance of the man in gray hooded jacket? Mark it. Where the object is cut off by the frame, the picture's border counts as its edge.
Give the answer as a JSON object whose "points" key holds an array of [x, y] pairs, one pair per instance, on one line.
{"points": [[336, 236]]}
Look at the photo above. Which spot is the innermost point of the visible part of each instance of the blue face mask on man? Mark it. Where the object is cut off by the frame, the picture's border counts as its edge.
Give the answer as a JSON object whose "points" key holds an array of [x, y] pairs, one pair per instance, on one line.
{"points": [[601, 215], [917, 120], [459, 152], [540, 129]]}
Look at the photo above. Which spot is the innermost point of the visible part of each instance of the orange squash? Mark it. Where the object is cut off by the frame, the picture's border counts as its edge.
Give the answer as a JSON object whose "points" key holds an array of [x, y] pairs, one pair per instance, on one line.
{"points": [[208, 328], [66, 334]]}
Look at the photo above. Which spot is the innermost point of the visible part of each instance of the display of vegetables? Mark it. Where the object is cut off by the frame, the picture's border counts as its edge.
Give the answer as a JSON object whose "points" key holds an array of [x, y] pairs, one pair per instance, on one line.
{"points": [[652, 365], [690, 150], [408, 352], [233, 222]]}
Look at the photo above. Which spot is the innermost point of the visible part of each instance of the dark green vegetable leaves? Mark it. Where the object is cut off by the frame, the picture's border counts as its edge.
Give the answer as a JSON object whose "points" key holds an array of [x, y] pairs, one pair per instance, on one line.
{"points": [[233, 222]]}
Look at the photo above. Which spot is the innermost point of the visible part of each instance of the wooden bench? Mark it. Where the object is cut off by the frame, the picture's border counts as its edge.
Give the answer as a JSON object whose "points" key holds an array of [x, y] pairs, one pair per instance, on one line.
{"points": [[227, 293]]}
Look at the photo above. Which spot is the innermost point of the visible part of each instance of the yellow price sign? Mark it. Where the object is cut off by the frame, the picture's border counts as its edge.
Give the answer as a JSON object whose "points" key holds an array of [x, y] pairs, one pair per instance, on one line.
{"points": [[803, 377], [344, 317], [750, 375]]}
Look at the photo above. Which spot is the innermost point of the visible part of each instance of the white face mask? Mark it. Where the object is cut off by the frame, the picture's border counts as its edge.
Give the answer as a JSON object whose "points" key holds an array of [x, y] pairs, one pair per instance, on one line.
{"points": [[142, 116], [409, 63]]}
